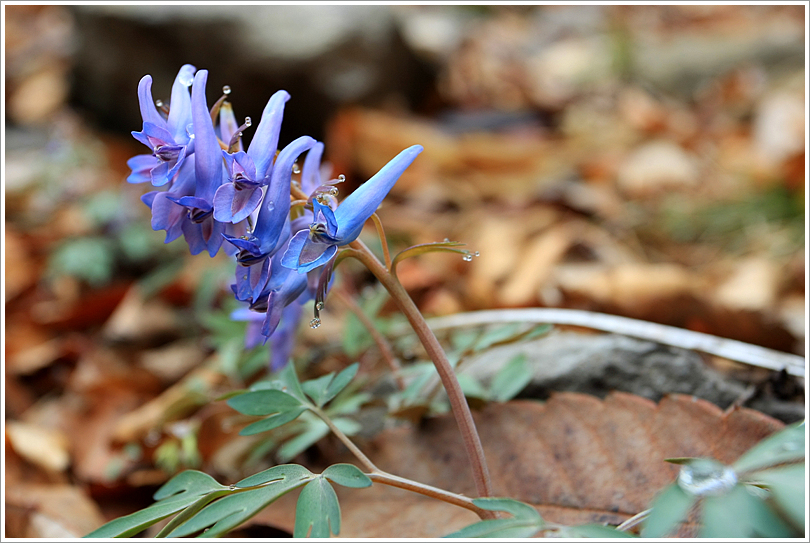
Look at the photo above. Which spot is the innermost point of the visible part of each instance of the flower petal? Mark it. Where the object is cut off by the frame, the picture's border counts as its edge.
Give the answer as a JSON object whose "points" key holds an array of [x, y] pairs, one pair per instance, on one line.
{"points": [[358, 207], [149, 112], [207, 152], [311, 172], [276, 207], [263, 147], [180, 106]]}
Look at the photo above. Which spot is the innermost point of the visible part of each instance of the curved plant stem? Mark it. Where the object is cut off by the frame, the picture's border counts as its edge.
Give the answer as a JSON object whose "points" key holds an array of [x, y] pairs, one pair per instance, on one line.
{"points": [[382, 344], [383, 240], [379, 476], [458, 403]]}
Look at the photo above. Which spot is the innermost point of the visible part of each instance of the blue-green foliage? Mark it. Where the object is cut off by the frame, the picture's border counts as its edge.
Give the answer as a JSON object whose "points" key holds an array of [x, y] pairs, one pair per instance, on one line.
{"points": [[766, 501]]}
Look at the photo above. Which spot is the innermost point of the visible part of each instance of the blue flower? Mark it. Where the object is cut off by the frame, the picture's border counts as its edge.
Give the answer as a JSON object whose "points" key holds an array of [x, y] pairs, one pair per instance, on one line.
{"points": [[168, 139], [275, 209], [239, 197], [201, 231], [314, 247]]}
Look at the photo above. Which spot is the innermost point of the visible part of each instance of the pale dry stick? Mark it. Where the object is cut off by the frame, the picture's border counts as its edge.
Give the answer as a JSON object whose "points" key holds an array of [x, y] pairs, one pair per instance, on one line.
{"points": [[379, 476], [633, 521], [458, 403], [382, 344], [660, 333]]}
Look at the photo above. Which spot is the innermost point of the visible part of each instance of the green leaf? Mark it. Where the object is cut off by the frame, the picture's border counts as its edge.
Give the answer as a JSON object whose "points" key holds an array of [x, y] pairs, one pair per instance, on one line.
{"points": [[597, 531], [276, 473], [271, 422], [317, 513], [471, 387], [787, 445], [281, 407], [289, 381], [229, 512], [740, 514], [190, 511], [525, 521], [178, 493], [510, 379], [89, 258], [669, 508], [356, 337], [424, 248], [290, 449], [316, 388], [786, 485], [341, 380], [264, 402], [497, 334], [347, 475]]}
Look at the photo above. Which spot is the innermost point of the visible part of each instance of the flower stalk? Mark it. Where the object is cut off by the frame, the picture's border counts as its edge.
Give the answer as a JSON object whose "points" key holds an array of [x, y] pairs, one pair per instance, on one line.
{"points": [[458, 403]]}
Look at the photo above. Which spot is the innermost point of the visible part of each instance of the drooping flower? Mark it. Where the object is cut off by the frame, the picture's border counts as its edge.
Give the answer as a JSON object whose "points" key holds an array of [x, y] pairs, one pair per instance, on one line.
{"points": [[248, 172], [314, 247], [168, 139]]}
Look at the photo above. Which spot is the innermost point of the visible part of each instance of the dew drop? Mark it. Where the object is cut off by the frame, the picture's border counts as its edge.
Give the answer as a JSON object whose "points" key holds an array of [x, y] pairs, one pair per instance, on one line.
{"points": [[790, 446], [226, 89], [341, 178], [186, 78], [159, 103], [315, 323], [447, 240], [476, 253], [248, 121], [333, 191], [239, 134], [319, 306], [705, 477], [467, 258], [296, 169], [232, 487]]}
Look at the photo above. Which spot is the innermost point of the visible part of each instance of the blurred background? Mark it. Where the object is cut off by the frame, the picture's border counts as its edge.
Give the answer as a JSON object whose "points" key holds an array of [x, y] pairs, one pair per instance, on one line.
{"points": [[645, 161]]}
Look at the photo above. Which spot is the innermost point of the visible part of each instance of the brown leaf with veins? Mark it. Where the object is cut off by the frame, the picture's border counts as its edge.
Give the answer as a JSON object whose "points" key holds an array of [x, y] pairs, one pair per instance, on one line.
{"points": [[576, 458]]}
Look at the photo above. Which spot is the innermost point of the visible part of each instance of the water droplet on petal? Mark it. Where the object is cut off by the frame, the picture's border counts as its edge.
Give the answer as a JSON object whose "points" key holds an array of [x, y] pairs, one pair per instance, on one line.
{"points": [[232, 487], [319, 306], [476, 253], [705, 477], [315, 323], [159, 103], [296, 169], [334, 191], [186, 78], [248, 121], [447, 240], [226, 89], [467, 258]]}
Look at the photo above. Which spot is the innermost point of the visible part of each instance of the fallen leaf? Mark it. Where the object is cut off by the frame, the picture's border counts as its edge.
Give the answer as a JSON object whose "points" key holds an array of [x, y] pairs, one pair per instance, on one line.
{"points": [[45, 447], [53, 511], [575, 458]]}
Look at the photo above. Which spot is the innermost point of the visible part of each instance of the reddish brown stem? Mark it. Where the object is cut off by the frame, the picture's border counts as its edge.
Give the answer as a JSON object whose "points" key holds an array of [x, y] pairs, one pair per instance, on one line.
{"points": [[458, 403]]}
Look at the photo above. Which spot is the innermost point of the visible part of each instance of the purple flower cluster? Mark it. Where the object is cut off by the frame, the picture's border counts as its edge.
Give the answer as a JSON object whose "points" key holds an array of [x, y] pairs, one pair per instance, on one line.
{"points": [[218, 196]]}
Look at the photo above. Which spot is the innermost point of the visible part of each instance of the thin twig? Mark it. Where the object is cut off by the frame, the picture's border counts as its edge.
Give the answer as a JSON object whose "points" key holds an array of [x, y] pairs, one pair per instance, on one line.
{"points": [[381, 232], [382, 344], [660, 333]]}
